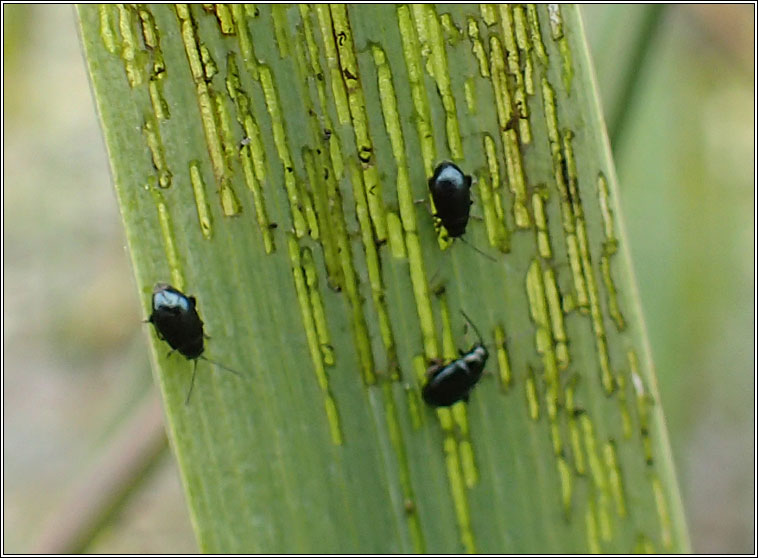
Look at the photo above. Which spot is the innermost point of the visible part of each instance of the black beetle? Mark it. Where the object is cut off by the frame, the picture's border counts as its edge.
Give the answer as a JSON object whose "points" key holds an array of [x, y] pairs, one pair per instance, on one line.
{"points": [[452, 382], [451, 194], [176, 321]]}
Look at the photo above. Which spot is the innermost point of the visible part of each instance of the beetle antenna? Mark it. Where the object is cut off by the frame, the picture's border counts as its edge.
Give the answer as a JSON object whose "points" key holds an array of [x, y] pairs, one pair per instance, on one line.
{"points": [[481, 340], [486, 255], [217, 363], [192, 383]]}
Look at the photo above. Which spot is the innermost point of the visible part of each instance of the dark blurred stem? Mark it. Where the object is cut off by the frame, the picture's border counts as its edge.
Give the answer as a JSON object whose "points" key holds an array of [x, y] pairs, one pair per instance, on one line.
{"points": [[108, 485], [631, 82]]}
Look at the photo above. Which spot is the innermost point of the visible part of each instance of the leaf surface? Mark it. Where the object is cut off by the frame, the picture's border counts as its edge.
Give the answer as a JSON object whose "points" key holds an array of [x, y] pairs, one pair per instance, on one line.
{"points": [[268, 160]]}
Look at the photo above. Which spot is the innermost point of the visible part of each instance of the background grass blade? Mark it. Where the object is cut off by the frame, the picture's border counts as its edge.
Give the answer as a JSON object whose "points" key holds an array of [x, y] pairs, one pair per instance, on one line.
{"points": [[624, 41], [267, 159]]}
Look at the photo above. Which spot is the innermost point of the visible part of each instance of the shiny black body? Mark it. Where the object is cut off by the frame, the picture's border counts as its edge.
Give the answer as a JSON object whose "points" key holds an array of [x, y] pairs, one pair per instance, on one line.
{"points": [[176, 321], [451, 193], [450, 383]]}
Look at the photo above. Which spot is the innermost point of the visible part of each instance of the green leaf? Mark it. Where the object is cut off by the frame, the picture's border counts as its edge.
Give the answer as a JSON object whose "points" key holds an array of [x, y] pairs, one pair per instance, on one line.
{"points": [[267, 160]]}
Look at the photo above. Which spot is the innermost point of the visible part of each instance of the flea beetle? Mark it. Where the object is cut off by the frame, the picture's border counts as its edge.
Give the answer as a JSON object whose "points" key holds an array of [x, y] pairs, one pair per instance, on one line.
{"points": [[452, 382], [451, 193], [176, 321]]}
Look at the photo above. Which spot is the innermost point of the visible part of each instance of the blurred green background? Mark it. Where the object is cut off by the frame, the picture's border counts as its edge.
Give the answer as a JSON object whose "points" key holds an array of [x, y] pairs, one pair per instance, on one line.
{"points": [[76, 365]]}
